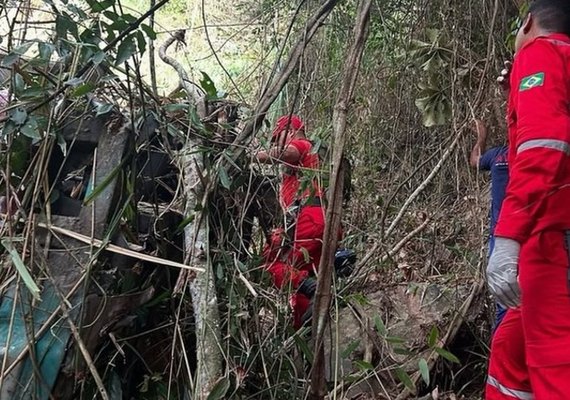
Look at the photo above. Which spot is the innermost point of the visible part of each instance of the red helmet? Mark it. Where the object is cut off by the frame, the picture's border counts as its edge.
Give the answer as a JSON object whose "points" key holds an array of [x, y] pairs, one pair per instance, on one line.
{"points": [[287, 122]]}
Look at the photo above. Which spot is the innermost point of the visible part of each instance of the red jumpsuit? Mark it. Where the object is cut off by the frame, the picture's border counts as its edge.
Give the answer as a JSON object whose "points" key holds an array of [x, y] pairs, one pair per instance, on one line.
{"points": [[290, 265], [530, 352]]}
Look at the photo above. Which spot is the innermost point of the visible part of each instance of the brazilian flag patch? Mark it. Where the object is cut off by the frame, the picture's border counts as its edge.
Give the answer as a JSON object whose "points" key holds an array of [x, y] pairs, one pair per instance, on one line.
{"points": [[532, 81]]}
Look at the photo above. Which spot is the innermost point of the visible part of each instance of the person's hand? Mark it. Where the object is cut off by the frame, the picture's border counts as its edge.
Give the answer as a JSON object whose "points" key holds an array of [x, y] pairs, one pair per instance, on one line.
{"points": [[504, 78], [502, 272]]}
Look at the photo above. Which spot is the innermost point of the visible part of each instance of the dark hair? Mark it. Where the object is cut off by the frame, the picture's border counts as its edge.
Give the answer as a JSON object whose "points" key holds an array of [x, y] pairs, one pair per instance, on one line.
{"points": [[552, 15]]}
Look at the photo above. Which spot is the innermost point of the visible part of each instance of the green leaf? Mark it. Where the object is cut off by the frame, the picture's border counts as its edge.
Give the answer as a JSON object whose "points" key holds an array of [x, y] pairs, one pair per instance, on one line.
{"points": [[98, 6], [401, 351], [19, 115], [224, 178], [45, 50], [395, 340], [98, 57], [208, 85], [21, 268], [304, 347], [148, 31], [350, 348], [405, 379], [30, 129], [433, 335], [447, 355], [379, 324], [83, 89], [10, 60], [424, 370], [364, 365], [141, 41], [15, 54], [126, 49]]}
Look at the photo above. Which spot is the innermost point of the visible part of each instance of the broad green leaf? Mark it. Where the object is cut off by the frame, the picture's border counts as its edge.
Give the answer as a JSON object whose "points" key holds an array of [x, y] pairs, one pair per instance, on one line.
{"points": [[148, 31], [30, 129], [208, 85], [379, 324], [433, 335], [126, 49], [447, 355], [98, 57], [405, 379], [350, 348], [21, 268], [15, 54], [98, 6], [141, 41], [10, 60], [19, 115], [224, 178], [424, 370], [45, 50]]}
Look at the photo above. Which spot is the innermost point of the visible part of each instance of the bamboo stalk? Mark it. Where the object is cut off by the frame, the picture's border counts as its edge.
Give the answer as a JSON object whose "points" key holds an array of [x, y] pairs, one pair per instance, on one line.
{"points": [[117, 249]]}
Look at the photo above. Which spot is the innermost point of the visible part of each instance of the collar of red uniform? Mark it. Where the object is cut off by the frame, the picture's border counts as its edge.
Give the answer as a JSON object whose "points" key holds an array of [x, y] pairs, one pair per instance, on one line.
{"points": [[552, 36]]}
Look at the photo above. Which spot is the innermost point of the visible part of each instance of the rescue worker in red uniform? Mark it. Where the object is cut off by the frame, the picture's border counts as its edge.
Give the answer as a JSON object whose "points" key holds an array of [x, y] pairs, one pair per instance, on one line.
{"points": [[530, 352], [295, 263]]}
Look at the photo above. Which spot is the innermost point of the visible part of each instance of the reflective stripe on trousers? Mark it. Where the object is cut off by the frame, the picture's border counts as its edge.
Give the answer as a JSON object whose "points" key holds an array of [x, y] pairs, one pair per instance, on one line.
{"points": [[516, 394]]}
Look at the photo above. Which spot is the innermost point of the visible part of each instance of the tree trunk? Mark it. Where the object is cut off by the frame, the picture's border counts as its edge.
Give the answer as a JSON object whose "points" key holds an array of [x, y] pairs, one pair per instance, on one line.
{"points": [[202, 286], [333, 214]]}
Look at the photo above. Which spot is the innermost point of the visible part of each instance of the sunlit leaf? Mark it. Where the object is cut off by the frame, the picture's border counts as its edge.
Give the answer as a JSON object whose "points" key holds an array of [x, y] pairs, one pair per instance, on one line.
{"points": [[424, 370], [208, 85]]}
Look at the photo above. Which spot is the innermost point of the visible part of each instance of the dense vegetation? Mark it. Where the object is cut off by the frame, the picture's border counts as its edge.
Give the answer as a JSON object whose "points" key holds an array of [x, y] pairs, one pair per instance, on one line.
{"points": [[417, 215]]}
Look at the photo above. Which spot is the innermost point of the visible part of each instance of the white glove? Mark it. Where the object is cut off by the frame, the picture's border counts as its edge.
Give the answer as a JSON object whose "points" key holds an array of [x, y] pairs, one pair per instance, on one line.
{"points": [[502, 272]]}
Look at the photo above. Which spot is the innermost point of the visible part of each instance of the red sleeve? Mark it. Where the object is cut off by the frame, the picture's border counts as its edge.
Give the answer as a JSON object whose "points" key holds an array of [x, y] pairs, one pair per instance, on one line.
{"points": [[540, 140], [303, 146]]}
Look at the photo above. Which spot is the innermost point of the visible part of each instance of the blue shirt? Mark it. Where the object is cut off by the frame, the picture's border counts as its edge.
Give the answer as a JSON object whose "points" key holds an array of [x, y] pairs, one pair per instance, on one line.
{"points": [[495, 161]]}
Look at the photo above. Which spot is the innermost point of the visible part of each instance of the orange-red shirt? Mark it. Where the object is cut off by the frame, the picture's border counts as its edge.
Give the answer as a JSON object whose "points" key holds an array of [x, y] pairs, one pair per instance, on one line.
{"points": [[293, 186], [538, 193]]}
